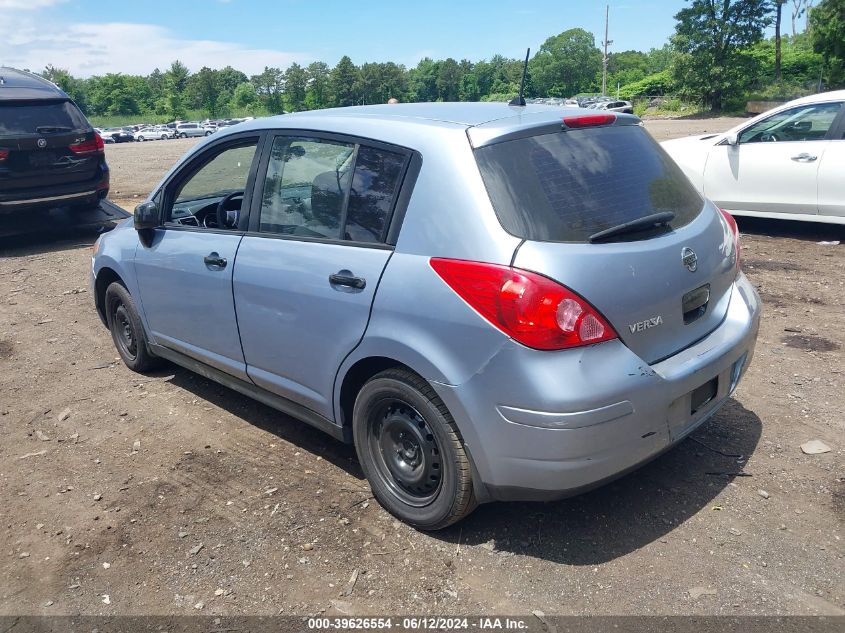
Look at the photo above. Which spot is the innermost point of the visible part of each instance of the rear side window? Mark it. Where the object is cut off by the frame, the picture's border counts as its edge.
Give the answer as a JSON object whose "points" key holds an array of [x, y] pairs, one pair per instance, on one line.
{"points": [[329, 189], [34, 117], [566, 186], [374, 187]]}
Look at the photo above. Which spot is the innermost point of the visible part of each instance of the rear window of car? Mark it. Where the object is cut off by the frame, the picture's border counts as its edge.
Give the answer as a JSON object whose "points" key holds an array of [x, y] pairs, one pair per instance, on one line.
{"points": [[28, 117], [569, 185]]}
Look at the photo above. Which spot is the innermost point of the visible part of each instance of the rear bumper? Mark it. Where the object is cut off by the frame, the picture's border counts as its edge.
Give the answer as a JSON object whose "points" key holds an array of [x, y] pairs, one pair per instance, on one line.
{"points": [[546, 425], [72, 194]]}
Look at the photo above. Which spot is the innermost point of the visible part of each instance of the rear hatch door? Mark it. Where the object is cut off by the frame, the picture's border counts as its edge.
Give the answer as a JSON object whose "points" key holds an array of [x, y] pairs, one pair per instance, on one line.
{"points": [[37, 138], [662, 287]]}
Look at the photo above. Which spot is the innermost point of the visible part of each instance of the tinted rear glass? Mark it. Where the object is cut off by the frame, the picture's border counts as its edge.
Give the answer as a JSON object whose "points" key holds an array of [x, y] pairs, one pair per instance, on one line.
{"points": [[566, 186], [24, 117]]}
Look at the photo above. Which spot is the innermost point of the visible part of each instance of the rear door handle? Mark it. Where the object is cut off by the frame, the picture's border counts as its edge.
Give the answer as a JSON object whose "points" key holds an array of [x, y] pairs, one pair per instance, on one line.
{"points": [[804, 157], [345, 278], [214, 260]]}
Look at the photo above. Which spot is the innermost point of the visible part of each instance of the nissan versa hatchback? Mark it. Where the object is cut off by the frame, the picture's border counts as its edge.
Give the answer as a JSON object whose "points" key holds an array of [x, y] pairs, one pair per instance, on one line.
{"points": [[490, 302], [49, 154]]}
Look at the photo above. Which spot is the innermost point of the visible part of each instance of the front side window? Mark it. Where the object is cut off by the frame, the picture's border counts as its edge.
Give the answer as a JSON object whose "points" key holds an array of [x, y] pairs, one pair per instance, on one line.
{"points": [[329, 189], [803, 123], [221, 180]]}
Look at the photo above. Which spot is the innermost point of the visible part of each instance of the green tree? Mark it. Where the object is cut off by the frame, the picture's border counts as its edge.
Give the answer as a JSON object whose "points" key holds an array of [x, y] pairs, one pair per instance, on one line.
{"points": [[75, 88], [296, 81], [626, 67], [424, 80], [342, 81], [827, 29], [203, 91], [270, 85], [711, 36], [317, 93], [566, 64], [660, 59], [244, 98], [178, 75], [448, 80]]}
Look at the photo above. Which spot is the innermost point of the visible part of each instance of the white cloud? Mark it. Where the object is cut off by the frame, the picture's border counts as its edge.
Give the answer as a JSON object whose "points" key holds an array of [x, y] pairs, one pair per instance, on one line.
{"points": [[87, 49], [27, 5]]}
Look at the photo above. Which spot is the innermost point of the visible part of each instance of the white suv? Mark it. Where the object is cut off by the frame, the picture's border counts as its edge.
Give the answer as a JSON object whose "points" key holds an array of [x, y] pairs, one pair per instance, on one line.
{"points": [[184, 130]]}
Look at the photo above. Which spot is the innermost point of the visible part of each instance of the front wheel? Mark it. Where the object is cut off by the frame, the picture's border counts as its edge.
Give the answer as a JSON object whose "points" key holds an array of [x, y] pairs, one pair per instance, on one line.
{"points": [[411, 451], [126, 329]]}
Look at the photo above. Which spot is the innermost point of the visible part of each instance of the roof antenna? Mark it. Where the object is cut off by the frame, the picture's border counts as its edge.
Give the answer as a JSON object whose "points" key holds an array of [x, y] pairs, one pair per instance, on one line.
{"points": [[519, 100]]}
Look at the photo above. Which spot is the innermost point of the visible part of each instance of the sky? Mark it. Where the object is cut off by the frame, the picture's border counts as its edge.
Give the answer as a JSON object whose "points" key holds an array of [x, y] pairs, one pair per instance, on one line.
{"points": [[93, 37]]}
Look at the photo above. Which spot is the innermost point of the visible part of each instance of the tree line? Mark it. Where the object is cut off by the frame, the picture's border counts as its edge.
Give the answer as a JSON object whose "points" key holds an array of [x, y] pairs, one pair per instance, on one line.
{"points": [[718, 56]]}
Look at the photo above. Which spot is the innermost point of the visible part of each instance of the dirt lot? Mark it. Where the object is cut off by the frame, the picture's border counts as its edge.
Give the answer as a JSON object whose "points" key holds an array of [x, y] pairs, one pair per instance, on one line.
{"points": [[129, 494]]}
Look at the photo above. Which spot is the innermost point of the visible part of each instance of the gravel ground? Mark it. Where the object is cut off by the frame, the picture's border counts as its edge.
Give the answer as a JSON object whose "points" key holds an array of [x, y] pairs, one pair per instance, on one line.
{"points": [[168, 494]]}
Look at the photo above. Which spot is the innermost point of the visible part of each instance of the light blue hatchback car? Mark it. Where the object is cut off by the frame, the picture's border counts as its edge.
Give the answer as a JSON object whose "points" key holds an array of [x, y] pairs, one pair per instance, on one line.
{"points": [[491, 302]]}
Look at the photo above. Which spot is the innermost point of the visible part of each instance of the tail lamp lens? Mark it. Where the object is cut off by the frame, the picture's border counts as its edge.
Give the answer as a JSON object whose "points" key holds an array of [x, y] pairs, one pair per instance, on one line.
{"points": [[4, 154], [91, 146], [530, 308], [731, 221], [588, 120]]}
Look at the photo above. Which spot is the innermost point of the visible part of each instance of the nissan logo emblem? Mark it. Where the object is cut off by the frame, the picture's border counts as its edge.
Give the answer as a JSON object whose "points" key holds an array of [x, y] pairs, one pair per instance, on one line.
{"points": [[42, 143], [689, 259]]}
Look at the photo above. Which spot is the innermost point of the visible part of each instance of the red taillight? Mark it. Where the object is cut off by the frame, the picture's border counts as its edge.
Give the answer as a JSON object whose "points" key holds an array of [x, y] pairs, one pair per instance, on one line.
{"points": [[91, 146], [4, 154], [735, 230], [588, 120], [528, 307]]}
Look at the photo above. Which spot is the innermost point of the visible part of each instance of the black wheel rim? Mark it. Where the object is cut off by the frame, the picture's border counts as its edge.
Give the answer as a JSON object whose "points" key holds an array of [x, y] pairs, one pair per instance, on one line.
{"points": [[405, 452], [124, 332]]}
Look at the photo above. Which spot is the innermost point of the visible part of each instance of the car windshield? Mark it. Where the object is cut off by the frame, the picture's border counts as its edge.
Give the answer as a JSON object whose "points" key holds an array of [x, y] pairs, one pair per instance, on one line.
{"points": [[569, 185], [31, 117]]}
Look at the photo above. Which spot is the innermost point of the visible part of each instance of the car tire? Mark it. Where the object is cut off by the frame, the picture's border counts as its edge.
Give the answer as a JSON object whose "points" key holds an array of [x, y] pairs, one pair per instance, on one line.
{"points": [[127, 330], [208, 133], [183, 135], [411, 451]]}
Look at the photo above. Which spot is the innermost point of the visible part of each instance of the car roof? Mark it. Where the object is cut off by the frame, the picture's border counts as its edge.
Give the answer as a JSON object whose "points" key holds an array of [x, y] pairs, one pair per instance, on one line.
{"points": [[833, 95], [466, 114], [409, 124], [21, 85]]}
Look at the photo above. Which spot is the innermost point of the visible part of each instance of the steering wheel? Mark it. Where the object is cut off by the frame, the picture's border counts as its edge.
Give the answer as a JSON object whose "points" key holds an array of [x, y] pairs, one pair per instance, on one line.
{"points": [[769, 138], [224, 220]]}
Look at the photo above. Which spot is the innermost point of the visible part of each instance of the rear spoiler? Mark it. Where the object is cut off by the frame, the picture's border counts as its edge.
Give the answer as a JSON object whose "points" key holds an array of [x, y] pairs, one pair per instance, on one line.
{"points": [[534, 124]]}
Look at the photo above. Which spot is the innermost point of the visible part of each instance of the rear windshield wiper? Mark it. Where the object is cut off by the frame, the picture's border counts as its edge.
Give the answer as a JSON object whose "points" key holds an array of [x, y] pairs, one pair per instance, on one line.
{"points": [[648, 221], [45, 129]]}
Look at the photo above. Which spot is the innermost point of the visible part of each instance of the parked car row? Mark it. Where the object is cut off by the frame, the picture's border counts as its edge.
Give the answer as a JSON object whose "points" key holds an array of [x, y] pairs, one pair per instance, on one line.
{"points": [[598, 103]]}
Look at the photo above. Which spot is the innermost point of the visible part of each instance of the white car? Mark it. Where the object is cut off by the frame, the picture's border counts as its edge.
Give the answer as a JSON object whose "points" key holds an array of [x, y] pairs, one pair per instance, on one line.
{"points": [[153, 132], [786, 163]]}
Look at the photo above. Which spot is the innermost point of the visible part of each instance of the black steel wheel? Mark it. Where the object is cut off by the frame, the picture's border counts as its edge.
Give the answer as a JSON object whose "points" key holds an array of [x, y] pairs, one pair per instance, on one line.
{"points": [[126, 329], [411, 451], [407, 457]]}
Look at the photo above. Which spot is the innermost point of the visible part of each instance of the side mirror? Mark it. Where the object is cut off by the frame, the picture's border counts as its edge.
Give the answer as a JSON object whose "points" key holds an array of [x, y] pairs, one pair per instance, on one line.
{"points": [[732, 139], [146, 216]]}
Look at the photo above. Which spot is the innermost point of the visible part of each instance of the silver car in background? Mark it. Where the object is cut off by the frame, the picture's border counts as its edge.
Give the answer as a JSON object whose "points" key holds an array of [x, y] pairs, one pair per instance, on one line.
{"points": [[490, 302]]}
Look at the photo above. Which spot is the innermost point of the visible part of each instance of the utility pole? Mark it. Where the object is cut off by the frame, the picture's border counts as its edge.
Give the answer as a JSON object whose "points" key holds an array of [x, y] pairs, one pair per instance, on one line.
{"points": [[606, 43]]}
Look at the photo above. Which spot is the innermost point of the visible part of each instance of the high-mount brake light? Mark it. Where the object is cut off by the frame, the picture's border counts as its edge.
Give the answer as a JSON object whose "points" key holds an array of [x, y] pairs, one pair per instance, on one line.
{"points": [[735, 231], [91, 146], [531, 309], [588, 120]]}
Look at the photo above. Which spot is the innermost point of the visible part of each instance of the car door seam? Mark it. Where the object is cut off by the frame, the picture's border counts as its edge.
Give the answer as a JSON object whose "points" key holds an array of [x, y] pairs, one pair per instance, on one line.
{"points": [[360, 339], [235, 309]]}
